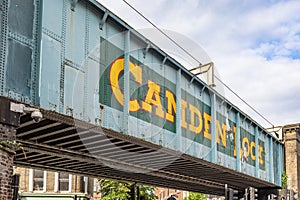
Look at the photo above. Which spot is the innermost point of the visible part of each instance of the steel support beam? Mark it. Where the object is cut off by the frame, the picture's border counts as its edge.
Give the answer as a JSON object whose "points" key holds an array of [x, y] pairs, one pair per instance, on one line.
{"points": [[126, 167], [256, 152], [126, 83], [280, 165], [238, 142], [178, 109], [271, 164], [142, 162], [213, 129]]}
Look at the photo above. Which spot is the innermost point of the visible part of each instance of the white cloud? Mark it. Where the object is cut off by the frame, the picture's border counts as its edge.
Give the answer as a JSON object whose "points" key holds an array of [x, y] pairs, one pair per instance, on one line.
{"points": [[255, 45]]}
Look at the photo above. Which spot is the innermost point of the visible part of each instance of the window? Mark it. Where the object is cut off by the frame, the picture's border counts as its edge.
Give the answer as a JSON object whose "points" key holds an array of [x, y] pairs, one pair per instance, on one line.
{"points": [[96, 185], [163, 194], [38, 180], [82, 181], [63, 182]]}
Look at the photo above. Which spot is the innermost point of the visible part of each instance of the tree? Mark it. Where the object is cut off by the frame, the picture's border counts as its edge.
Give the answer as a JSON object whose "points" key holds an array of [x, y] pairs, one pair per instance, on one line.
{"points": [[284, 178], [111, 189], [147, 192], [195, 196]]}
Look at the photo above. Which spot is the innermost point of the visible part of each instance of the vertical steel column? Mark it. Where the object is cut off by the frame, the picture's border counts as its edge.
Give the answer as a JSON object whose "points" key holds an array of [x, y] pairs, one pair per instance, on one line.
{"points": [[3, 44], [280, 164], [238, 142], [213, 129], [256, 152], [37, 38], [271, 166], [178, 109], [62, 57], [86, 67], [126, 82]]}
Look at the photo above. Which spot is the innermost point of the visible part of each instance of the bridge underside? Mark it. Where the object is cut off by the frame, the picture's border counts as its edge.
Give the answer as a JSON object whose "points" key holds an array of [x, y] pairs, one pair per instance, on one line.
{"points": [[61, 143]]}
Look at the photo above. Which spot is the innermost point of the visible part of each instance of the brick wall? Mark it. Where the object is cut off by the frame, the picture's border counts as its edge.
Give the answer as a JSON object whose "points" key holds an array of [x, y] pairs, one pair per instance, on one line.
{"points": [[164, 193], [6, 162], [292, 157], [23, 186]]}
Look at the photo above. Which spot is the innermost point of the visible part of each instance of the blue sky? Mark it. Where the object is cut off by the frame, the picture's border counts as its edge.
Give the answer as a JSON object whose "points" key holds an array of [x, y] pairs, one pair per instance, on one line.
{"points": [[255, 45]]}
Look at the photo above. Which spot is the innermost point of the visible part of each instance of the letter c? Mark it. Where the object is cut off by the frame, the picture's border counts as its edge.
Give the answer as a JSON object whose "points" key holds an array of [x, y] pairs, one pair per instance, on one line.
{"points": [[116, 68]]}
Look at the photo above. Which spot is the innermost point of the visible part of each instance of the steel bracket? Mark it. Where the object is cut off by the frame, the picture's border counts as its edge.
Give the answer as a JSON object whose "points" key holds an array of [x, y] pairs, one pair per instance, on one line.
{"points": [[103, 20], [146, 49], [205, 68], [73, 4], [191, 81], [202, 90], [163, 62], [222, 102], [244, 119]]}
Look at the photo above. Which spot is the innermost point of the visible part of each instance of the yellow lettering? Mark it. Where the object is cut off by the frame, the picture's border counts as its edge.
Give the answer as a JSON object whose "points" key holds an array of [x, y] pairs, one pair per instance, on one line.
{"points": [[192, 126], [183, 113], [116, 68], [136, 72], [252, 146], [115, 71], [221, 133], [260, 152], [207, 120], [153, 98], [171, 106], [245, 145], [235, 142]]}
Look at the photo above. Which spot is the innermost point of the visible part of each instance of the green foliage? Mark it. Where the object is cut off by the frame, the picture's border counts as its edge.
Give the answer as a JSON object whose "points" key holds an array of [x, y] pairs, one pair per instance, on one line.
{"points": [[147, 192], [12, 145], [195, 196], [111, 189], [284, 180]]}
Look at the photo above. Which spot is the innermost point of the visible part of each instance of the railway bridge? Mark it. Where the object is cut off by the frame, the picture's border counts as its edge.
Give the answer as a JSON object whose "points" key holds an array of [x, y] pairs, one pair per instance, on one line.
{"points": [[83, 92]]}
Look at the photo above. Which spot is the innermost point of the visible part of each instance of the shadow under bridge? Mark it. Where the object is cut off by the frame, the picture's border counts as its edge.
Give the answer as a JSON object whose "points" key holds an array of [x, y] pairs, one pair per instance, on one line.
{"points": [[62, 143]]}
